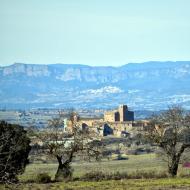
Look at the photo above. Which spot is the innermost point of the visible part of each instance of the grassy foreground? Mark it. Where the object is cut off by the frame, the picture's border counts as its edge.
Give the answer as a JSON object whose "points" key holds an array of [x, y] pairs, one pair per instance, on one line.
{"points": [[146, 162], [130, 184], [134, 164]]}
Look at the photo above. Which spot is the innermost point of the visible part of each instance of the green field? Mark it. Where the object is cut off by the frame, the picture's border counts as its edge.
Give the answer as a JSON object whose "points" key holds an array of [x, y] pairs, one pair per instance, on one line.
{"points": [[134, 164]]}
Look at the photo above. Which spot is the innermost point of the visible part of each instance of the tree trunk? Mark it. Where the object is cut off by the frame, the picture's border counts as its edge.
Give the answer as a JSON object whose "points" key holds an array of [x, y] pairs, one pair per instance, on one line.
{"points": [[173, 167], [64, 171]]}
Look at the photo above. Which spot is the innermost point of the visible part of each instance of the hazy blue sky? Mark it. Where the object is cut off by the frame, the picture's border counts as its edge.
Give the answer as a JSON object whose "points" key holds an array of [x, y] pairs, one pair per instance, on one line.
{"points": [[94, 32]]}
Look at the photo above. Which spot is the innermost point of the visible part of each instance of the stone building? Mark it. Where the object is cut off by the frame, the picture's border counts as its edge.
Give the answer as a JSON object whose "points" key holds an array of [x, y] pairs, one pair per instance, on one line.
{"points": [[122, 114], [117, 122]]}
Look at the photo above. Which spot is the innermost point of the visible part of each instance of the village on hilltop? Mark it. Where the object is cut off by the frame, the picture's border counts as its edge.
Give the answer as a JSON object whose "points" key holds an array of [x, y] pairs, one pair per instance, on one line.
{"points": [[119, 123]]}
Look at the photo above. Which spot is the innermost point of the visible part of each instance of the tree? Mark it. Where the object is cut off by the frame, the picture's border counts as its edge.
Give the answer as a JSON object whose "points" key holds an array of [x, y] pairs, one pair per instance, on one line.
{"points": [[65, 146], [14, 151], [171, 132]]}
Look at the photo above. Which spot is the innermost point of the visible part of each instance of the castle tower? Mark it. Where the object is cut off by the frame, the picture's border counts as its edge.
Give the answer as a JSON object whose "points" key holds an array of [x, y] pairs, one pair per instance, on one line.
{"points": [[120, 115], [123, 109]]}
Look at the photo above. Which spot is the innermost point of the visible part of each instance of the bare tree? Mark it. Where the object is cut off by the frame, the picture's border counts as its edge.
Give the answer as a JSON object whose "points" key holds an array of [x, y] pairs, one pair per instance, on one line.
{"points": [[65, 146], [171, 132]]}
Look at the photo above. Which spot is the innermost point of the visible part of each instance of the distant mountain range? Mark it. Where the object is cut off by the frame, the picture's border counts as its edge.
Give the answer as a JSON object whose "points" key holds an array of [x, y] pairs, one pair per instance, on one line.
{"points": [[142, 86]]}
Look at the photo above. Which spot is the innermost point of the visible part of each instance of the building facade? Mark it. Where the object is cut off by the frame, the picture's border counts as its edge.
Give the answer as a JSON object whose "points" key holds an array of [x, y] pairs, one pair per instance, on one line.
{"points": [[121, 115]]}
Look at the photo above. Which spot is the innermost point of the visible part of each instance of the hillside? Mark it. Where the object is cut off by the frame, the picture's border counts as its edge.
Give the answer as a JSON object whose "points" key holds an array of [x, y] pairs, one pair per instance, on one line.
{"points": [[145, 86]]}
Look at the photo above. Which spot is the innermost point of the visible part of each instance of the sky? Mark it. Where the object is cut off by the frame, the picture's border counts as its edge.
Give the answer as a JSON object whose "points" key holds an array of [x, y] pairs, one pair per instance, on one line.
{"points": [[94, 32]]}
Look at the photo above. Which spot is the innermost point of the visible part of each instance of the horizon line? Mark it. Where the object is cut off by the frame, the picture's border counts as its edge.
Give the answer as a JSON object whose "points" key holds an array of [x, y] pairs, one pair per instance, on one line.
{"points": [[75, 64]]}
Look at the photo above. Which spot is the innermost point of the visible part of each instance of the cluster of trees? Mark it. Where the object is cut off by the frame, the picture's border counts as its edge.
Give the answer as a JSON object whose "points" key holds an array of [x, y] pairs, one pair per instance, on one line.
{"points": [[170, 131], [15, 147], [64, 148]]}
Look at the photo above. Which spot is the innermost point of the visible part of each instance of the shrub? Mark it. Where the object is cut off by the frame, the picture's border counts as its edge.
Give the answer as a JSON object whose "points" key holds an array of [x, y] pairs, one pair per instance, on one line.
{"points": [[14, 150], [94, 176], [43, 178], [147, 175], [118, 176], [99, 176], [120, 157]]}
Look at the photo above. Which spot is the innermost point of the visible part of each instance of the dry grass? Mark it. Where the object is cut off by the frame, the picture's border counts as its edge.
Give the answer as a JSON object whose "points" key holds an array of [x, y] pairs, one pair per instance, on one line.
{"points": [[138, 184]]}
